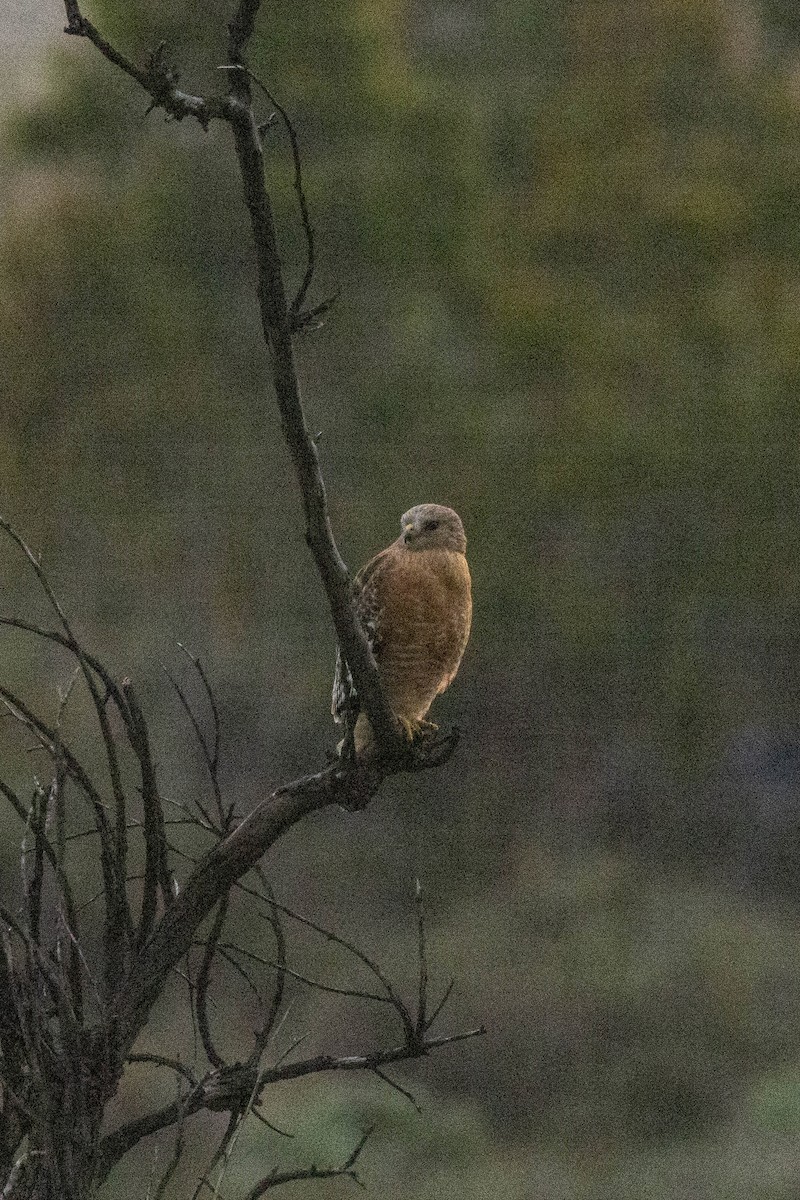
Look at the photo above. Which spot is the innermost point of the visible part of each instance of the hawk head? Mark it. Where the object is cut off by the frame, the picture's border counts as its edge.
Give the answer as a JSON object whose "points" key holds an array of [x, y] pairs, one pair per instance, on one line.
{"points": [[432, 527]]}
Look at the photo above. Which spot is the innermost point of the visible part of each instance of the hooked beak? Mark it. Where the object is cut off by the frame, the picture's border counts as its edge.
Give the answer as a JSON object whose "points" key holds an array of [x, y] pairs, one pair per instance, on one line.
{"points": [[408, 532]]}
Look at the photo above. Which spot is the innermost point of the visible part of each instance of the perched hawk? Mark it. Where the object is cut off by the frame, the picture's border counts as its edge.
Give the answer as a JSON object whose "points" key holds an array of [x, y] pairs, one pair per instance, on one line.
{"points": [[414, 602]]}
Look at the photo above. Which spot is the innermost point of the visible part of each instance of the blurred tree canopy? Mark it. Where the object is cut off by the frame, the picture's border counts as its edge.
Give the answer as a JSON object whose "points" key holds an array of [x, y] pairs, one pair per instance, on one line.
{"points": [[566, 241]]}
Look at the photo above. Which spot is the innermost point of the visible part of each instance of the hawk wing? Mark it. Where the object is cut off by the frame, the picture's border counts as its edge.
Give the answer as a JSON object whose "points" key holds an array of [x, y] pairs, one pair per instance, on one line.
{"points": [[366, 589]]}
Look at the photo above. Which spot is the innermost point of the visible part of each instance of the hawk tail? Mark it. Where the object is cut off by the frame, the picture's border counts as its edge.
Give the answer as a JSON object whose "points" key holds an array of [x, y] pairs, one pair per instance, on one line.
{"points": [[344, 699]]}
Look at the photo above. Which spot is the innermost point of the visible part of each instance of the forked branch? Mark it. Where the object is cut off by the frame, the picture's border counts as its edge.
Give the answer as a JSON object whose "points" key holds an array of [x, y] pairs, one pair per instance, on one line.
{"points": [[61, 1066]]}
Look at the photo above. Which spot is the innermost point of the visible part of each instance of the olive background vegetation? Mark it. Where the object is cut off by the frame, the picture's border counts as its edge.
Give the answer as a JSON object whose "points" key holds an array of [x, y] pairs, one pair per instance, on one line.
{"points": [[566, 241]]}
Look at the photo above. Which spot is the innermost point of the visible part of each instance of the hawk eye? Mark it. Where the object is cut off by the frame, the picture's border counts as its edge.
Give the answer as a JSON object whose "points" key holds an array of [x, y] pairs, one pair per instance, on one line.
{"points": [[431, 525]]}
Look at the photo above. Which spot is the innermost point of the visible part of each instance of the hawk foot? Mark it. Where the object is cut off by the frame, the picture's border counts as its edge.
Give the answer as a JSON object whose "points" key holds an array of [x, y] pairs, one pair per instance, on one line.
{"points": [[414, 729]]}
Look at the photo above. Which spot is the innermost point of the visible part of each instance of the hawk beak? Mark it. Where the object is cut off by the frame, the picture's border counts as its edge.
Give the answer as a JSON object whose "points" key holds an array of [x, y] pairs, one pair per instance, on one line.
{"points": [[408, 531]]}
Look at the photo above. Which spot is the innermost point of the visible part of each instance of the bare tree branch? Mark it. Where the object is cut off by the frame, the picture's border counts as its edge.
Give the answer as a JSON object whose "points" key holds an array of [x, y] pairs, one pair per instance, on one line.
{"points": [[108, 740], [313, 1172], [264, 1034], [60, 1065], [156, 79], [390, 994], [203, 980], [356, 993], [159, 1060], [240, 29], [396, 1087], [298, 319], [276, 327], [53, 635], [177, 1153], [113, 881], [198, 733], [440, 1005], [421, 1022], [157, 874], [228, 1089], [210, 753]]}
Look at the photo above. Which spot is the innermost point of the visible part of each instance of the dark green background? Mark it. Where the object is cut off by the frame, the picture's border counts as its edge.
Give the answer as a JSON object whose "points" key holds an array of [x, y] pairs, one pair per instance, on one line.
{"points": [[566, 240]]}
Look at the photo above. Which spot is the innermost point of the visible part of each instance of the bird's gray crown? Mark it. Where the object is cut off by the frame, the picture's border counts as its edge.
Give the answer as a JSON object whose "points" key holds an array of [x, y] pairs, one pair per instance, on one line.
{"points": [[432, 527]]}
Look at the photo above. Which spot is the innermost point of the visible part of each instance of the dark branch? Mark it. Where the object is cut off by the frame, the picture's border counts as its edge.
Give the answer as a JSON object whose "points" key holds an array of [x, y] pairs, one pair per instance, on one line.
{"points": [[203, 980], [159, 1060], [61, 1070], [157, 79], [157, 874], [263, 1035], [240, 29], [355, 993], [298, 320], [229, 1089], [231, 858], [421, 1023], [313, 1172], [198, 733], [276, 328], [53, 635]]}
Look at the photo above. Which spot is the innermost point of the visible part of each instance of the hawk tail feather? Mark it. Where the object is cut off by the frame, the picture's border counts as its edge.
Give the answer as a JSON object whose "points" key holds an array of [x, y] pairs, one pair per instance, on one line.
{"points": [[344, 699]]}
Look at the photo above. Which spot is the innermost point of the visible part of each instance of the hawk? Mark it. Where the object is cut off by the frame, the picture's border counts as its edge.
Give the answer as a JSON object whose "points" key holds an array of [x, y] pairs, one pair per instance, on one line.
{"points": [[414, 602]]}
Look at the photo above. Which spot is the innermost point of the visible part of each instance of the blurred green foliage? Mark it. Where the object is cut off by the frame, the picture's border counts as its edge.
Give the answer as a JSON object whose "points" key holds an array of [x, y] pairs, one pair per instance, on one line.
{"points": [[566, 238]]}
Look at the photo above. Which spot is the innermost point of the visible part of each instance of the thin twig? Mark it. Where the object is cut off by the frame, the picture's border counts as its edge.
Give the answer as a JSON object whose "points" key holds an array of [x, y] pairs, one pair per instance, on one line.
{"points": [[53, 635], [172, 1064], [157, 875], [114, 885], [240, 970], [275, 1179], [420, 1024], [203, 980], [440, 1005], [118, 918], [369, 963], [228, 1145], [32, 882], [268, 1026], [298, 320], [177, 1153], [396, 1087], [210, 754], [195, 724], [313, 983], [275, 1129], [16, 1170]]}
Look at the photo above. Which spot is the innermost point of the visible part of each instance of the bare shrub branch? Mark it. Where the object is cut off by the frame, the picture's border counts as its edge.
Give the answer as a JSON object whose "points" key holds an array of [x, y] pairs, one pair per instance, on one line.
{"points": [[313, 1172], [74, 998]]}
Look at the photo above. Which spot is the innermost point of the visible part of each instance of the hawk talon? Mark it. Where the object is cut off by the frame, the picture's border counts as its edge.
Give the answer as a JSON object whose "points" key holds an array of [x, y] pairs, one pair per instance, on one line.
{"points": [[415, 729]]}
